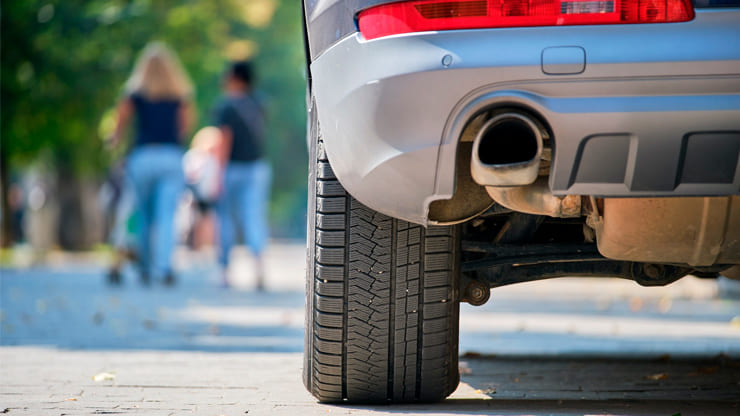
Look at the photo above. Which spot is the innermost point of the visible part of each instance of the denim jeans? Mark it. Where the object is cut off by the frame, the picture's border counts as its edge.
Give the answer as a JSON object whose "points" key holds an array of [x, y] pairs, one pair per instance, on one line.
{"points": [[242, 206], [155, 172]]}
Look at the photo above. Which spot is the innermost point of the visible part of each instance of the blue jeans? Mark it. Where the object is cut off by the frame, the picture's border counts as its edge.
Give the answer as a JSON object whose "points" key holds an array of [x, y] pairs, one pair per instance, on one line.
{"points": [[155, 172], [242, 206]]}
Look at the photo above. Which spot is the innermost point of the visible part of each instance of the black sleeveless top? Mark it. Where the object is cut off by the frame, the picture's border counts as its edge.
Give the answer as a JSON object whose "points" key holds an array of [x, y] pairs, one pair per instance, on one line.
{"points": [[156, 120]]}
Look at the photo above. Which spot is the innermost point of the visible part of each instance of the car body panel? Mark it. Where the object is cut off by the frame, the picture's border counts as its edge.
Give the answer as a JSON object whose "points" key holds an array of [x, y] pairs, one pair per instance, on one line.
{"points": [[392, 109], [329, 21]]}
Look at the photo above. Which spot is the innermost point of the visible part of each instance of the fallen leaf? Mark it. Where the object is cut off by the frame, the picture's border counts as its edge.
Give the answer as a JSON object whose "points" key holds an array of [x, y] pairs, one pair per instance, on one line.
{"points": [[71, 399], [664, 304], [664, 358], [656, 377], [41, 306], [722, 357], [604, 304], [104, 376], [708, 370]]}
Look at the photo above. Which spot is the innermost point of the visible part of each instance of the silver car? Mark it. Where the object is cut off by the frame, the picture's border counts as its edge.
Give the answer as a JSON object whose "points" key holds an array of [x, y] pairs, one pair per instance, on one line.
{"points": [[461, 145]]}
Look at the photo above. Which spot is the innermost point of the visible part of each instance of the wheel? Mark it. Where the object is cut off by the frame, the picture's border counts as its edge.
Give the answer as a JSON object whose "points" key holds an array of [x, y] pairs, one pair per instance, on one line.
{"points": [[382, 310]]}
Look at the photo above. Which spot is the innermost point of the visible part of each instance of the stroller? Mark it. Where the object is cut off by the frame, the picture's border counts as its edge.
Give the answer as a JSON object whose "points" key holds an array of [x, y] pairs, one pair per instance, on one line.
{"points": [[122, 225], [202, 172]]}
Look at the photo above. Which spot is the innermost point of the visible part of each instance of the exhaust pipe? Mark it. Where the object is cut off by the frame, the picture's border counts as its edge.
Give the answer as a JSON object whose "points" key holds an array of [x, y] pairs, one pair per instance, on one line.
{"points": [[506, 159], [537, 199], [507, 151]]}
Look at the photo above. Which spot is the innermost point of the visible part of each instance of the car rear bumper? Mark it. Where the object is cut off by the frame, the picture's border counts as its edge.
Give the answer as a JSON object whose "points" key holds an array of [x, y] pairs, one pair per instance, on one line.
{"points": [[634, 110]]}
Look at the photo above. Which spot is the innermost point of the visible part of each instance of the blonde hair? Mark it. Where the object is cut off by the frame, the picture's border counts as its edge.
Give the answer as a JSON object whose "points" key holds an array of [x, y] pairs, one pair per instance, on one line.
{"points": [[208, 139], [158, 74]]}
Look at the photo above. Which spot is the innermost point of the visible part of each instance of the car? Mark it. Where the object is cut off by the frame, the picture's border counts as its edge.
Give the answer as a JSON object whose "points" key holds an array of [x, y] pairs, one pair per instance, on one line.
{"points": [[461, 145]]}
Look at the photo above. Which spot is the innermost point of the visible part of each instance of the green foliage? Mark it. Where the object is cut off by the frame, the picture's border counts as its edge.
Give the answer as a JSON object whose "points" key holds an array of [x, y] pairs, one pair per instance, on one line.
{"points": [[64, 63]]}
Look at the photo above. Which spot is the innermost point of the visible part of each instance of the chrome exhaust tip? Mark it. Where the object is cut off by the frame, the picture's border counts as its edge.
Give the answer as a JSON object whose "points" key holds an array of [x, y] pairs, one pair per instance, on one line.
{"points": [[507, 151]]}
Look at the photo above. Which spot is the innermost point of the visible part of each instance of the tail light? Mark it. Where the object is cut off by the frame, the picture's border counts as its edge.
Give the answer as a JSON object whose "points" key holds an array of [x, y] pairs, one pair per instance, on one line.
{"points": [[431, 15]]}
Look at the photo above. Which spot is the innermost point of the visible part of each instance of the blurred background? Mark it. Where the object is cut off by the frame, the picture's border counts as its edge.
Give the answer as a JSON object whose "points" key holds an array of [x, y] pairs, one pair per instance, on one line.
{"points": [[64, 64], [63, 67]]}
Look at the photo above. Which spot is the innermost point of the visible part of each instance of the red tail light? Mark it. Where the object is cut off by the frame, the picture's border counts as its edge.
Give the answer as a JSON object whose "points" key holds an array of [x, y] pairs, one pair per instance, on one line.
{"points": [[426, 15]]}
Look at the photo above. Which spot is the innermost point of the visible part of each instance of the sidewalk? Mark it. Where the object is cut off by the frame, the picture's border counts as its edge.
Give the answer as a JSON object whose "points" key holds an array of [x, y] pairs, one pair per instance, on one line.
{"points": [[41, 381], [70, 306], [565, 346]]}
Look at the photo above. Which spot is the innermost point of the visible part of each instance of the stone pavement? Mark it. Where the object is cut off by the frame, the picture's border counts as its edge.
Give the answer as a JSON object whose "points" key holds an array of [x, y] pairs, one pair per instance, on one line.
{"points": [[43, 381], [561, 347]]}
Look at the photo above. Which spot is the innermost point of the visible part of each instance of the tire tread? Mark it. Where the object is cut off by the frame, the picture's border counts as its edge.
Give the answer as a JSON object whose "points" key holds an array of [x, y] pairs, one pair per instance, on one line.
{"points": [[383, 321]]}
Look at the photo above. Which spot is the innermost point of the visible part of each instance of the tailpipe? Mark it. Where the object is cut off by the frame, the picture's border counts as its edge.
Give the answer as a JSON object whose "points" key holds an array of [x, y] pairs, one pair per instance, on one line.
{"points": [[507, 151]]}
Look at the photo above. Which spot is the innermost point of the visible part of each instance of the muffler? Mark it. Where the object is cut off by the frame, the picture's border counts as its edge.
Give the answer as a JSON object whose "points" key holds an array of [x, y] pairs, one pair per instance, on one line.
{"points": [[507, 151]]}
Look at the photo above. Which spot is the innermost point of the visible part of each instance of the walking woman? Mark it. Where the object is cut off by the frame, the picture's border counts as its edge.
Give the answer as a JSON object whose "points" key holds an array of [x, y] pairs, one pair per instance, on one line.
{"points": [[158, 98]]}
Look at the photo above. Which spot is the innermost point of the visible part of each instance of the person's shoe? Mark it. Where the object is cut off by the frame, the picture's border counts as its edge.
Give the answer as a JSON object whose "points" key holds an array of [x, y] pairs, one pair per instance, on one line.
{"points": [[169, 279], [145, 279], [260, 284], [131, 255], [223, 279], [114, 277]]}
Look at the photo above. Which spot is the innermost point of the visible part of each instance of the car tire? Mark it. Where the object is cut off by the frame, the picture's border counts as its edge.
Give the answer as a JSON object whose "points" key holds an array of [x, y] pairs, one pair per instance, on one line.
{"points": [[381, 296]]}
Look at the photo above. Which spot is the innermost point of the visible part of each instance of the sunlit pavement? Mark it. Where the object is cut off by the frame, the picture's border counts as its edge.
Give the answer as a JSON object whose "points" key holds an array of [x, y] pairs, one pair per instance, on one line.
{"points": [[567, 346]]}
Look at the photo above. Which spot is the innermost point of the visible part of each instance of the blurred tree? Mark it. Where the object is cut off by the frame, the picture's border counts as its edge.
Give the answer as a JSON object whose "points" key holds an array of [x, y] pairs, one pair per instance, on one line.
{"points": [[64, 61]]}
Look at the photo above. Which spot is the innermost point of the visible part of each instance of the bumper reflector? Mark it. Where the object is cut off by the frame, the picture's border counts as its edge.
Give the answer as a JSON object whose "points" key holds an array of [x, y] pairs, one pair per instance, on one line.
{"points": [[432, 15]]}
